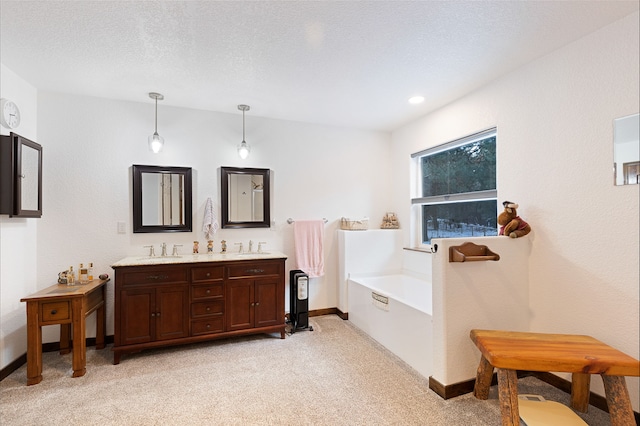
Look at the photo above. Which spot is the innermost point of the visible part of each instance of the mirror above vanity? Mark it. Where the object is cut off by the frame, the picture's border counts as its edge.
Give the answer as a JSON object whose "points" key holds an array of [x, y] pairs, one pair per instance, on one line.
{"points": [[626, 150], [245, 197], [162, 199]]}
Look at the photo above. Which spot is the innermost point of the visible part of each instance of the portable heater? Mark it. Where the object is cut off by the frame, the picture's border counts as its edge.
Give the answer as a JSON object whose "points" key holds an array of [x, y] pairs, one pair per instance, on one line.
{"points": [[299, 300]]}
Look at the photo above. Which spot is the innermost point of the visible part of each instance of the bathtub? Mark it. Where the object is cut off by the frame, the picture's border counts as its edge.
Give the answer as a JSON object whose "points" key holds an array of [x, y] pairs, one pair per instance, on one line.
{"points": [[396, 311]]}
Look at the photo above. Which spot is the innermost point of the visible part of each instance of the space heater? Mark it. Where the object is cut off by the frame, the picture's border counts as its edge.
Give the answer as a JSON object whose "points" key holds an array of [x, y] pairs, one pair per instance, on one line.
{"points": [[298, 300]]}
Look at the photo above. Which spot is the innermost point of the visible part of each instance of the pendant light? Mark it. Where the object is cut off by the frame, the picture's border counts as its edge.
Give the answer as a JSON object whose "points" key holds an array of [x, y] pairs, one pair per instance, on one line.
{"points": [[156, 142], [243, 149]]}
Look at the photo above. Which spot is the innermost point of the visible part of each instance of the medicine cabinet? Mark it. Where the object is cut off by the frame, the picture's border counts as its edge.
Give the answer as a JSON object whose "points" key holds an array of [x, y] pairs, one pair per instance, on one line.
{"points": [[20, 176]]}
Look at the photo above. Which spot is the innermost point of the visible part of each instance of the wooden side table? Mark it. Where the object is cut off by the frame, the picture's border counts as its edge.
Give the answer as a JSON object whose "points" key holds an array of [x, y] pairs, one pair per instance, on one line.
{"points": [[509, 351], [67, 306]]}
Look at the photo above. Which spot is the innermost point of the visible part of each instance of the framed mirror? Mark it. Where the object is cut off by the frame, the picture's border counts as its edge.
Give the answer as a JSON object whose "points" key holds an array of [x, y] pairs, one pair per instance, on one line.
{"points": [[626, 150], [162, 199], [245, 197]]}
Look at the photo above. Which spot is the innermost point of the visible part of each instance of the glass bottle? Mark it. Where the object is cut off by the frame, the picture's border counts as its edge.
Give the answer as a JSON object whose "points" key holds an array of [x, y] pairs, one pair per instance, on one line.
{"points": [[71, 276], [90, 271], [83, 275]]}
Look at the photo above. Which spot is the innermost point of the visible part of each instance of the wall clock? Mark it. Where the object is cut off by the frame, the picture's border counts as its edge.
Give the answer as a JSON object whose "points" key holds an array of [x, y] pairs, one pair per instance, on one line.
{"points": [[9, 114]]}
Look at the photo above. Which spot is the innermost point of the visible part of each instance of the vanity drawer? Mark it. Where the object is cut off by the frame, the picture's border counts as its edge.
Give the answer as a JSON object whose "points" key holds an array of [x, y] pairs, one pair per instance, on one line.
{"points": [[207, 291], [154, 276], [55, 311], [207, 274], [253, 269], [207, 326], [202, 309]]}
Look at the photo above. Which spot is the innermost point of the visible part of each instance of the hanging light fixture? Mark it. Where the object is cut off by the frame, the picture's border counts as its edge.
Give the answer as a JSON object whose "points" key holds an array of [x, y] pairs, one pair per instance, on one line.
{"points": [[156, 142], [243, 149]]}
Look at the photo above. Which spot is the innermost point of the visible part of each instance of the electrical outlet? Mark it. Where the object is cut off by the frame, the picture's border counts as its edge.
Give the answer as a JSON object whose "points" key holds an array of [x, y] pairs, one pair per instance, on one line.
{"points": [[121, 228]]}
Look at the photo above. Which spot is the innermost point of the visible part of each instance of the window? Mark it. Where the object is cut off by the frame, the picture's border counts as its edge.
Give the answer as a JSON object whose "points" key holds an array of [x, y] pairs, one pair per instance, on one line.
{"points": [[457, 194]]}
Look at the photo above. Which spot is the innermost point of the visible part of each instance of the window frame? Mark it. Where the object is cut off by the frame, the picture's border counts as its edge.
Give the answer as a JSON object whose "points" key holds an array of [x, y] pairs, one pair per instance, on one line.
{"points": [[417, 201]]}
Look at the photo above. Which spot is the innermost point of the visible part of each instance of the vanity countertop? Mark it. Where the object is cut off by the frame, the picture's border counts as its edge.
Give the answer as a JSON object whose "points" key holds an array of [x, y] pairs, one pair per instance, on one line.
{"points": [[196, 258]]}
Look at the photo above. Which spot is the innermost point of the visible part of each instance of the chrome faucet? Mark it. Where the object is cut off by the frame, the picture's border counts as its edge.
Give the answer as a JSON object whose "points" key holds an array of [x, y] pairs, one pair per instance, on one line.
{"points": [[250, 246], [240, 250], [260, 246], [175, 249], [151, 250], [164, 249]]}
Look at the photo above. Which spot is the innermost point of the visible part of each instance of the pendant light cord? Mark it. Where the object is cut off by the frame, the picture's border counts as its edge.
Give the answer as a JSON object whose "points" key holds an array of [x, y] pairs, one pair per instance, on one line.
{"points": [[156, 115]]}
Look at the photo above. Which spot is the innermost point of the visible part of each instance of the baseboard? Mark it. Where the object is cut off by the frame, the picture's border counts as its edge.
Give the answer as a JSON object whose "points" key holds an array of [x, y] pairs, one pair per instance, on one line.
{"points": [[461, 388], [46, 347]]}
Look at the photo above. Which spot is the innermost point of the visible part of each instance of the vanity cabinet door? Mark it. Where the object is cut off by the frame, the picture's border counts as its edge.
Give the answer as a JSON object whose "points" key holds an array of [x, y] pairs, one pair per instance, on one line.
{"points": [[268, 302], [254, 303], [153, 313], [240, 312], [136, 307], [171, 312]]}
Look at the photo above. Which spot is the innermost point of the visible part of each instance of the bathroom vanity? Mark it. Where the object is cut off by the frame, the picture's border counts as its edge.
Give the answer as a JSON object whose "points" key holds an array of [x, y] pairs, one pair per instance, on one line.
{"points": [[163, 301]]}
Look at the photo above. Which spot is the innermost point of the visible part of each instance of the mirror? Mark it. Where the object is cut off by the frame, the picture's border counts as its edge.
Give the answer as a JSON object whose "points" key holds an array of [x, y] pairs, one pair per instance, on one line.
{"points": [[245, 199], [626, 150], [161, 199]]}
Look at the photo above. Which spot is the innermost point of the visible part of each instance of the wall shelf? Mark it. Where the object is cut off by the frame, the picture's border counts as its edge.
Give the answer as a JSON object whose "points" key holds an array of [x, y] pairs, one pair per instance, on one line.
{"points": [[470, 252]]}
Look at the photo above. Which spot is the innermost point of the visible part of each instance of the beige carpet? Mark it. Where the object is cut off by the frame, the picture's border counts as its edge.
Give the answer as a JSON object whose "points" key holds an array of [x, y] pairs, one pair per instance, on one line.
{"points": [[334, 375]]}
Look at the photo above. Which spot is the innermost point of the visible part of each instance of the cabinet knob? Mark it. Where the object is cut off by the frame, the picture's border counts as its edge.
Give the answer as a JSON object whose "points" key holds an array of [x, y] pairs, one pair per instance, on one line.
{"points": [[208, 274], [257, 303], [208, 325], [208, 291], [54, 311], [208, 309], [157, 314], [153, 314]]}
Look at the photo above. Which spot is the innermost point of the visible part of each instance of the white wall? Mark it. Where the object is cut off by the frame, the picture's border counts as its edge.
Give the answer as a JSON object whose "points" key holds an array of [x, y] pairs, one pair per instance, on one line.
{"points": [[18, 236], [555, 154], [91, 144]]}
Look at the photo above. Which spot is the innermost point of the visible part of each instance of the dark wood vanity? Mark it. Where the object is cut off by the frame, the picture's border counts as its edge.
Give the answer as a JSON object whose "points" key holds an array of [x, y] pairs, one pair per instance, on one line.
{"points": [[171, 301]]}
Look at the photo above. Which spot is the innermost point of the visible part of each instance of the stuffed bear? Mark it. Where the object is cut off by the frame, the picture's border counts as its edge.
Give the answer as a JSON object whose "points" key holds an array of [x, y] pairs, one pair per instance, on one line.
{"points": [[510, 223]]}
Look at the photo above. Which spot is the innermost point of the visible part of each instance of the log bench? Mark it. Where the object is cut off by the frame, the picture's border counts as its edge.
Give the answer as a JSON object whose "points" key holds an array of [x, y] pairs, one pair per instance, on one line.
{"points": [[509, 351]]}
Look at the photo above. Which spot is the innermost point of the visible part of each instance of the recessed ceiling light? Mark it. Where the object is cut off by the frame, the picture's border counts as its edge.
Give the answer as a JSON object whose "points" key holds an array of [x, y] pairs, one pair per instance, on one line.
{"points": [[414, 100]]}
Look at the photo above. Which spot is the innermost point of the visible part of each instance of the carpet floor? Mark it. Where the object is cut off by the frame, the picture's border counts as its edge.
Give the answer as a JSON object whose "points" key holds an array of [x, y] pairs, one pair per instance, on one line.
{"points": [[333, 375]]}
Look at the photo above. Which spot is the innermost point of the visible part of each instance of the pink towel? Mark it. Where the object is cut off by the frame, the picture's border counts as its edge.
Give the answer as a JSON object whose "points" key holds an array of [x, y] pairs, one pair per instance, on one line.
{"points": [[308, 239]]}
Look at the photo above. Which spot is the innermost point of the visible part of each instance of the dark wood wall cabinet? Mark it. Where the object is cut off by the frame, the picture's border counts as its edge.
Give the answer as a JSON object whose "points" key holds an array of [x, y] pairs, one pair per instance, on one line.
{"points": [[20, 176], [172, 304]]}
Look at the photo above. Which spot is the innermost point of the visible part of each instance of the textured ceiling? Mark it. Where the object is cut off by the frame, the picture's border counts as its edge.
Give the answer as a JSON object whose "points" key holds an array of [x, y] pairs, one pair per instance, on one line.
{"points": [[351, 63]]}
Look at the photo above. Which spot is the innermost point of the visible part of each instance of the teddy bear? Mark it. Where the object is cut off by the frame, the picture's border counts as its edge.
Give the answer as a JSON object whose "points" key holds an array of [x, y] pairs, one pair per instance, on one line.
{"points": [[510, 223]]}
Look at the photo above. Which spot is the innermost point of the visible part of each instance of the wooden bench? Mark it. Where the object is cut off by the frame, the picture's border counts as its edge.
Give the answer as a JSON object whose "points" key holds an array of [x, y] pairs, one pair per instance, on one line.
{"points": [[509, 351]]}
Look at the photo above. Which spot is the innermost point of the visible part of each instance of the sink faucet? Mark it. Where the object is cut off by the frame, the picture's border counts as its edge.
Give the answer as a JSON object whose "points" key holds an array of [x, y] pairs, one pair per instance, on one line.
{"points": [[175, 249], [250, 246], [164, 249], [151, 250], [240, 250], [260, 246]]}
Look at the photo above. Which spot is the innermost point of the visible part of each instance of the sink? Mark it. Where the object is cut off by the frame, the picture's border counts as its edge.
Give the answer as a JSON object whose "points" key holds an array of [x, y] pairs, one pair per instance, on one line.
{"points": [[255, 253], [159, 258]]}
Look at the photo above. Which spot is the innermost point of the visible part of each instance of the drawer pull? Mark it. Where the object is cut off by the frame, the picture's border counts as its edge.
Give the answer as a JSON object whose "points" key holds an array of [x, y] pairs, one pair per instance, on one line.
{"points": [[208, 309], [54, 311], [157, 277], [208, 274], [257, 303], [153, 314], [208, 291], [254, 271], [208, 325]]}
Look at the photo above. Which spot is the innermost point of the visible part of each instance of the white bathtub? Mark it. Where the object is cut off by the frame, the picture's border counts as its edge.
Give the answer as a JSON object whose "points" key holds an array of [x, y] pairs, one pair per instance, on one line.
{"points": [[395, 310]]}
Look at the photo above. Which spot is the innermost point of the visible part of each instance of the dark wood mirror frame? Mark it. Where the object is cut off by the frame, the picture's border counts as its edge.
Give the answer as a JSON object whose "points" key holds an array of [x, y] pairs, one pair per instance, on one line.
{"points": [[225, 172], [138, 227]]}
